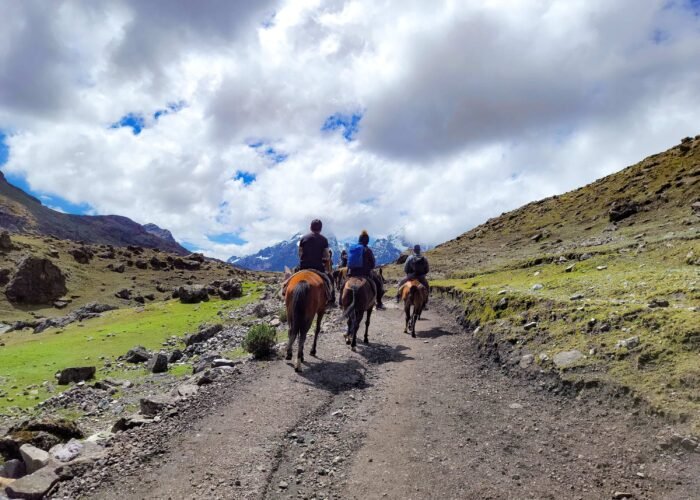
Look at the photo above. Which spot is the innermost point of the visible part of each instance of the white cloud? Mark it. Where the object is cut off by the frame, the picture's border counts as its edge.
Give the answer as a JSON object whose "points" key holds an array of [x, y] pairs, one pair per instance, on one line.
{"points": [[469, 109]]}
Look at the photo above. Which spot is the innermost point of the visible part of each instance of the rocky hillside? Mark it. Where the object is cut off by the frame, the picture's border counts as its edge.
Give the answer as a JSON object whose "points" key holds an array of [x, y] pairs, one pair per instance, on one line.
{"points": [[285, 253], [600, 285], [22, 213]]}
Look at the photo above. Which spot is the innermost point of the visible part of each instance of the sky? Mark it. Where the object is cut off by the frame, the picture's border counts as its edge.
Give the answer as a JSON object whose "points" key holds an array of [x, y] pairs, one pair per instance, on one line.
{"points": [[234, 123]]}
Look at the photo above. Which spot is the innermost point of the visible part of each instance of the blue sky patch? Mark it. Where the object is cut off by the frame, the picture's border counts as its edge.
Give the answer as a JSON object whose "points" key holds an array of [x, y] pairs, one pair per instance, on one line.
{"points": [[4, 149], [268, 151], [660, 36], [226, 239], [133, 120], [172, 107], [247, 177], [350, 124]]}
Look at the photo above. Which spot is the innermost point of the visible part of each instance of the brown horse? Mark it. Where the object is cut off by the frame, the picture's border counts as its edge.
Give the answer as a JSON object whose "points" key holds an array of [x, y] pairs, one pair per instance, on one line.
{"points": [[414, 294], [339, 277], [358, 297], [305, 297]]}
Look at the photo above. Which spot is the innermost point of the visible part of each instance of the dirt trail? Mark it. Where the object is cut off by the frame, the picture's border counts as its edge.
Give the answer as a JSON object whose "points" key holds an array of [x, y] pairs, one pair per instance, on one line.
{"points": [[401, 418]]}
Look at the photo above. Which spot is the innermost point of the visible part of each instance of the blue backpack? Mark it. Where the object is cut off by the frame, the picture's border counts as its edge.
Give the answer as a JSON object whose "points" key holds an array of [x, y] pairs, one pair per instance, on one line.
{"points": [[356, 255]]}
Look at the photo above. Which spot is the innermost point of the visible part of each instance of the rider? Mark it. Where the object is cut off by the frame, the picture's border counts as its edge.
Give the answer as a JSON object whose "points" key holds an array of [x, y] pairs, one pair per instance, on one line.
{"points": [[314, 254], [366, 270], [416, 267], [343, 259]]}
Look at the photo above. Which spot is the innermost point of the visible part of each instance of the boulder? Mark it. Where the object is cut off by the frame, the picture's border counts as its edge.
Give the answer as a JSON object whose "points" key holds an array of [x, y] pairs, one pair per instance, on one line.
{"points": [[157, 264], [82, 255], [175, 356], [204, 334], [187, 390], [5, 242], [11, 443], [695, 207], [36, 281], [5, 276], [195, 256], [119, 268], [124, 293], [233, 287], [158, 363], [526, 360], [192, 294], [66, 452], [13, 469], [141, 264], [76, 374], [153, 405], [60, 427], [126, 423], [190, 265], [138, 354], [567, 358], [33, 458], [658, 303], [34, 486], [622, 209]]}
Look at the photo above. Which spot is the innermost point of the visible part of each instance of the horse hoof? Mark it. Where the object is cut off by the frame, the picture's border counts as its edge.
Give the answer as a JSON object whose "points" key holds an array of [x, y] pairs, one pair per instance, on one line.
{"points": [[297, 369], [366, 341], [313, 353], [352, 348], [347, 341], [288, 357], [413, 335]]}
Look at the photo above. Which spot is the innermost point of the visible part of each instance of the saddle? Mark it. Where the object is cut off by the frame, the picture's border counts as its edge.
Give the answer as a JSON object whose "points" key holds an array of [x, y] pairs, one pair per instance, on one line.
{"points": [[328, 284]]}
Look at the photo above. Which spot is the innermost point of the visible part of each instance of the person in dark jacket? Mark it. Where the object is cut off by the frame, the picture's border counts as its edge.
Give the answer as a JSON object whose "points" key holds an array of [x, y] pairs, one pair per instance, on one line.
{"points": [[343, 259], [367, 269], [315, 254], [416, 267]]}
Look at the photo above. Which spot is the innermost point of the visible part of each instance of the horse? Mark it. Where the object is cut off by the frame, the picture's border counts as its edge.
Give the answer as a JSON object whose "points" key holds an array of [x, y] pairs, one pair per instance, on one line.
{"points": [[414, 294], [339, 277], [358, 297], [304, 298]]}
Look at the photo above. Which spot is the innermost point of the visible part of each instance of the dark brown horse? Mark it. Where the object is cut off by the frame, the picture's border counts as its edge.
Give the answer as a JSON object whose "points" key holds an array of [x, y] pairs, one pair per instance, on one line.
{"points": [[359, 296], [339, 277], [414, 295], [305, 298]]}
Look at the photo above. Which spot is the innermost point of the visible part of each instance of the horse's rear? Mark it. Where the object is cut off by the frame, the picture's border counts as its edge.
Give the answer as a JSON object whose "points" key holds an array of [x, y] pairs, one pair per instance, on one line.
{"points": [[305, 298], [414, 296], [358, 297]]}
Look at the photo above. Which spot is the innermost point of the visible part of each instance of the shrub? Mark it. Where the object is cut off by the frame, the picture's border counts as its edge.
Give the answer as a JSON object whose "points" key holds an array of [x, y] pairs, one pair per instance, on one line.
{"points": [[260, 340], [283, 315]]}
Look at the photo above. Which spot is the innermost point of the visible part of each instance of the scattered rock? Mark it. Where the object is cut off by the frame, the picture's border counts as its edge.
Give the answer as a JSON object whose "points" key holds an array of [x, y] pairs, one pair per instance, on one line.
{"points": [[119, 268], [187, 390], [537, 286], [138, 354], [34, 486], [76, 374], [629, 343], [5, 242], [13, 469], [565, 359], [192, 294], [175, 356], [158, 363], [153, 405], [622, 209], [124, 293], [67, 451], [81, 255], [224, 362], [622, 495], [530, 325], [36, 281], [526, 360], [577, 296], [33, 458], [60, 427], [126, 423], [204, 334], [601, 268], [569, 268], [658, 303]]}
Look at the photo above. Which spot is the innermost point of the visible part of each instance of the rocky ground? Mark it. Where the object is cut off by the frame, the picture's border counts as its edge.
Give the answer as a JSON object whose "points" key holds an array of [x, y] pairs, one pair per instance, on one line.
{"points": [[429, 417]]}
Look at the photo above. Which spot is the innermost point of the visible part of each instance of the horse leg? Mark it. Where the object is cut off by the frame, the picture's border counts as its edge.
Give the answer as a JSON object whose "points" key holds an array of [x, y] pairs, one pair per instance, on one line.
{"points": [[300, 351], [319, 317], [413, 323], [355, 327], [407, 312], [369, 315], [290, 341]]}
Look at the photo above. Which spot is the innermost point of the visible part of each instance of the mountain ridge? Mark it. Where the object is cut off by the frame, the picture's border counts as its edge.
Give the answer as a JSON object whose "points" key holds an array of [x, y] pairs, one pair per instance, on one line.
{"points": [[21, 212]]}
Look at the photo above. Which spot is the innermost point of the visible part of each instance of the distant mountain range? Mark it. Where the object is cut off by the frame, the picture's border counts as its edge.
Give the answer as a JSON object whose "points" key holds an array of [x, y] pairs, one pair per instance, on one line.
{"points": [[285, 253], [22, 213]]}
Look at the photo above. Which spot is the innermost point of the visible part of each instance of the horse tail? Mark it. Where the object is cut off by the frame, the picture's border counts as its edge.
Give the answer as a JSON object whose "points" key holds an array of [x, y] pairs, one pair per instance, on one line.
{"points": [[412, 294], [300, 296], [351, 307]]}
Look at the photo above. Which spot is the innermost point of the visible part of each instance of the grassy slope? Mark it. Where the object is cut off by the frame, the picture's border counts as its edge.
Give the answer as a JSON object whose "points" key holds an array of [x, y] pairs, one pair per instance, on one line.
{"points": [[646, 258], [28, 360]]}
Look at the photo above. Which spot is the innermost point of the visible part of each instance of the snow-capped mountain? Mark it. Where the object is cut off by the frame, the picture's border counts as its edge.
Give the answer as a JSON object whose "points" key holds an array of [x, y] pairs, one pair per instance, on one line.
{"points": [[286, 253]]}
